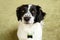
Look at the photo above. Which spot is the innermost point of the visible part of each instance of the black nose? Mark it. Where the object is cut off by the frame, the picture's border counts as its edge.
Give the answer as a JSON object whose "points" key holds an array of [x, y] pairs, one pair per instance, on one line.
{"points": [[26, 18]]}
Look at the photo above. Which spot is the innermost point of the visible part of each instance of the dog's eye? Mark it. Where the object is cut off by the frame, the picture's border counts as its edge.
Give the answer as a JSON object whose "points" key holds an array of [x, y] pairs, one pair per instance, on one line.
{"points": [[22, 11], [33, 11]]}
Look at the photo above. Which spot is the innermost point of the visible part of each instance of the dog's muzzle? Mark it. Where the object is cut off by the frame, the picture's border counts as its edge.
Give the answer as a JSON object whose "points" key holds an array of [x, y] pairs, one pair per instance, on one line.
{"points": [[27, 19]]}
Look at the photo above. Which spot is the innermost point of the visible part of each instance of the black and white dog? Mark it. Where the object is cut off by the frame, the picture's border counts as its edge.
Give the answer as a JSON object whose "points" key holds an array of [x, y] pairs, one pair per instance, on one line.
{"points": [[30, 22]]}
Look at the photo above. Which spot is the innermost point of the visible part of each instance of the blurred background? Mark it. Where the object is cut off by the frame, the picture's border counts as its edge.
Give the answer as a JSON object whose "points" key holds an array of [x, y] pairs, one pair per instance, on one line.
{"points": [[9, 23]]}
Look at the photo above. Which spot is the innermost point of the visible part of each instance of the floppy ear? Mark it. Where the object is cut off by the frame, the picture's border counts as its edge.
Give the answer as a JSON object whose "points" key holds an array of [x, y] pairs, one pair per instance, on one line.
{"points": [[40, 14], [18, 13]]}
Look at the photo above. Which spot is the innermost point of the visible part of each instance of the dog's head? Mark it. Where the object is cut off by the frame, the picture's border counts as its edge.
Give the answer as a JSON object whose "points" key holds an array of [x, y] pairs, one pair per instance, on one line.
{"points": [[30, 14]]}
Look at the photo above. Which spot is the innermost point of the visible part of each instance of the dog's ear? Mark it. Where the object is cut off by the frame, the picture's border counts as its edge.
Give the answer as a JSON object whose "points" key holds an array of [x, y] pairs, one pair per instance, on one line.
{"points": [[40, 14], [18, 13]]}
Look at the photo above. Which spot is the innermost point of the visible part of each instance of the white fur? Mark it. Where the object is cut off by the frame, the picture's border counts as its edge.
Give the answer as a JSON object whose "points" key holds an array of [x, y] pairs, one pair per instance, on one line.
{"points": [[25, 29]]}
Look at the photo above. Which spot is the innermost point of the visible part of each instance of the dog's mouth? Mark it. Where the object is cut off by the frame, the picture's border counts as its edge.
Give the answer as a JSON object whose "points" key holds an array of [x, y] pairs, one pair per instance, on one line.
{"points": [[27, 23]]}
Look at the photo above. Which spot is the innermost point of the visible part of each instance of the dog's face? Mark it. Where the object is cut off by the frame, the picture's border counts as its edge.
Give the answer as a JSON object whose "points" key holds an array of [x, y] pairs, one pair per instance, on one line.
{"points": [[30, 14]]}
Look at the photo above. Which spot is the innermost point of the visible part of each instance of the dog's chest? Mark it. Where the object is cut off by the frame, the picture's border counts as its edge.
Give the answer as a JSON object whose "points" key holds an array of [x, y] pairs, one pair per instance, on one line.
{"points": [[30, 31]]}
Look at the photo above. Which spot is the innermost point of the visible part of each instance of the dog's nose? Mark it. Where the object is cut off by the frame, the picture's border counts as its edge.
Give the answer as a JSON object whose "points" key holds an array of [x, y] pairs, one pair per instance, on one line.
{"points": [[26, 18]]}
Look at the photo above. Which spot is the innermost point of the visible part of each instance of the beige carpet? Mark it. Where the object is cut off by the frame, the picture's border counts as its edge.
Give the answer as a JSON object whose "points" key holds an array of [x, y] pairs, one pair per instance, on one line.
{"points": [[9, 23]]}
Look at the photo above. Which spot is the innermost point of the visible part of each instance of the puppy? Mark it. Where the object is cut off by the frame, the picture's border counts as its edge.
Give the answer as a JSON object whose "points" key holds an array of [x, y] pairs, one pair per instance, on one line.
{"points": [[30, 22]]}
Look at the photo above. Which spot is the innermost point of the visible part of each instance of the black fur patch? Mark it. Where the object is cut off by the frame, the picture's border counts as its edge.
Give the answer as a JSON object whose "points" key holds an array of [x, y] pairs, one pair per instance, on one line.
{"points": [[19, 11], [29, 36], [40, 14]]}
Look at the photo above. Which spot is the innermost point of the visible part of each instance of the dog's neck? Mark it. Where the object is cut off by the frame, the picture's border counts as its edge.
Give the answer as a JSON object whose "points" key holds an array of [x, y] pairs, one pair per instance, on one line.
{"points": [[30, 25]]}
